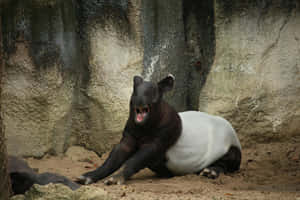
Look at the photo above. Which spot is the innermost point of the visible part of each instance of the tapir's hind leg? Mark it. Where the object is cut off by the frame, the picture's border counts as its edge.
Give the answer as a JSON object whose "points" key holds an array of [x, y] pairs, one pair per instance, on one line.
{"points": [[159, 167], [230, 162]]}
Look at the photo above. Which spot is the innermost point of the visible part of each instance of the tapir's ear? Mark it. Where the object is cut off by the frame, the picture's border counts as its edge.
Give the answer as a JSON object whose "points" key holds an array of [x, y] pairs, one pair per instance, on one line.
{"points": [[166, 84], [137, 80]]}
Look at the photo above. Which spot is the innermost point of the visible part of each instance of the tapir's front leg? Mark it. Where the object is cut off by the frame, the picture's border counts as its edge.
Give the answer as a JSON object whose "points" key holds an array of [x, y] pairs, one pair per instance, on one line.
{"points": [[141, 159], [116, 158]]}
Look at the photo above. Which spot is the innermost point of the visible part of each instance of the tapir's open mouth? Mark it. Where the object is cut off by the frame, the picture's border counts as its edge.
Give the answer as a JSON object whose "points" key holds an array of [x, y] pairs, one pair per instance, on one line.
{"points": [[141, 113]]}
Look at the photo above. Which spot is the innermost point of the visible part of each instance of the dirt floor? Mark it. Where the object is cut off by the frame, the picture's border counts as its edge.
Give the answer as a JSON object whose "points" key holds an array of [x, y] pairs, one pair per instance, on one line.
{"points": [[268, 171]]}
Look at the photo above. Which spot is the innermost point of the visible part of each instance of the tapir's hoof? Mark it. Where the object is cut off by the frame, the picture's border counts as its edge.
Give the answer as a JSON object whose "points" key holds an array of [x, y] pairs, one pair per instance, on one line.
{"points": [[84, 180], [210, 173], [115, 180]]}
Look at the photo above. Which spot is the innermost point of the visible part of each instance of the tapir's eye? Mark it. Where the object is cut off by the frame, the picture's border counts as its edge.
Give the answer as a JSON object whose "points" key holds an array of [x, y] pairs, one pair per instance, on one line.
{"points": [[146, 109], [138, 110]]}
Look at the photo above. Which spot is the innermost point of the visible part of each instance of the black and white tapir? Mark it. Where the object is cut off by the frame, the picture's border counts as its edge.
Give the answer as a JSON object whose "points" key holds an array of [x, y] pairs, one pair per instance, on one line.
{"points": [[167, 142], [23, 177]]}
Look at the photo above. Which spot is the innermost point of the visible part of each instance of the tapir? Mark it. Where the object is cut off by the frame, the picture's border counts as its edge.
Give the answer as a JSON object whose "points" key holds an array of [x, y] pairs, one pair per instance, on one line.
{"points": [[23, 177], [167, 142]]}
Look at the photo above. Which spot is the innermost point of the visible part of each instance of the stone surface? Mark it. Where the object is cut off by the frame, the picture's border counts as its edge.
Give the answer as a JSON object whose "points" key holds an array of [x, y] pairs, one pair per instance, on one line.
{"points": [[114, 58], [69, 67], [255, 78], [77, 153], [164, 47], [5, 187], [199, 27], [68, 78], [61, 192], [39, 80]]}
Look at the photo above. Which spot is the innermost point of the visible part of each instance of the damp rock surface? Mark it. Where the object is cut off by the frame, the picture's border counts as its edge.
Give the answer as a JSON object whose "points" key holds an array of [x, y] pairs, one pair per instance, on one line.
{"points": [[69, 65]]}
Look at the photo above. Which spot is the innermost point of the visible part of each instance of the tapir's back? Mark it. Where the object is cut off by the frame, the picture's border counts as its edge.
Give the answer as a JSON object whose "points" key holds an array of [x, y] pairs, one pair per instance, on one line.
{"points": [[204, 139]]}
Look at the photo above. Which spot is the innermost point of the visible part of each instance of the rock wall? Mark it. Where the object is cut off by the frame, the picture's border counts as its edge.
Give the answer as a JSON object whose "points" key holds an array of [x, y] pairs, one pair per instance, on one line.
{"points": [[255, 77], [41, 71], [69, 67], [68, 77], [5, 188], [164, 46], [111, 45], [199, 28]]}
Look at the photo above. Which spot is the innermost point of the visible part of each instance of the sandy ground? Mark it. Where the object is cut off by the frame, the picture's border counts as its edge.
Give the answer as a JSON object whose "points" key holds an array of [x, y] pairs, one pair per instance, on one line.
{"points": [[268, 171]]}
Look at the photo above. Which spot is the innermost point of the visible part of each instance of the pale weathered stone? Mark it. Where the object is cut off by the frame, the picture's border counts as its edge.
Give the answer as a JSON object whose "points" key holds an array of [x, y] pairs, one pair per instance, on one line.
{"points": [[77, 153], [254, 80], [69, 67], [113, 61], [61, 192], [113, 57], [62, 86], [38, 83]]}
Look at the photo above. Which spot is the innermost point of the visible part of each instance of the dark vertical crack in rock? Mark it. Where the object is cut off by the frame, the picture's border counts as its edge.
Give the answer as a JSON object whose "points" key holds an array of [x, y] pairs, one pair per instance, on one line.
{"points": [[200, 39]]}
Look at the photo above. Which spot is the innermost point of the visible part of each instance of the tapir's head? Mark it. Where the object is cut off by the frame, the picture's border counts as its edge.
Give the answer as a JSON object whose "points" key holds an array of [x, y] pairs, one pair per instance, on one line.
{"points": [[146, 96]]}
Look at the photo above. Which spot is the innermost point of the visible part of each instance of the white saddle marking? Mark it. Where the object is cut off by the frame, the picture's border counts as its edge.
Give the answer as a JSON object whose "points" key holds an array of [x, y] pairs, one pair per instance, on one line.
{"points": [[204, 139]]}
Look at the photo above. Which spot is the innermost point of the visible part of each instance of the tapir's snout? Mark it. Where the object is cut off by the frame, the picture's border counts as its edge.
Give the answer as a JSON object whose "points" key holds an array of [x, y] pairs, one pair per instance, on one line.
{"points": [[141, 113]]}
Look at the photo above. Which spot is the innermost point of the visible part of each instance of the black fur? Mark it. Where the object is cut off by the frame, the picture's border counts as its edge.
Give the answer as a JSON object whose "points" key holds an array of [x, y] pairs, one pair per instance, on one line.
{"points": [[145, 143], [152, 128], [23, 177], [229, 163]]}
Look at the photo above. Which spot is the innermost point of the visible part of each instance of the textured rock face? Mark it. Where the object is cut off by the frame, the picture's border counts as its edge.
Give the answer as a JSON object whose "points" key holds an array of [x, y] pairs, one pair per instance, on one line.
{"points": [[69, 67], [61, 192], [68, 78], [5, 182], [199, 28], [164, 46], [254, 80], [114, 57], [39, 80]]}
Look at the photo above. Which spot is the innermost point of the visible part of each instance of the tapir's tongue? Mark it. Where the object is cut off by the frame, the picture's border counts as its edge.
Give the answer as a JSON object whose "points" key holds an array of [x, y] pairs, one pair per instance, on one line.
{"points": [[140, 117]]}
